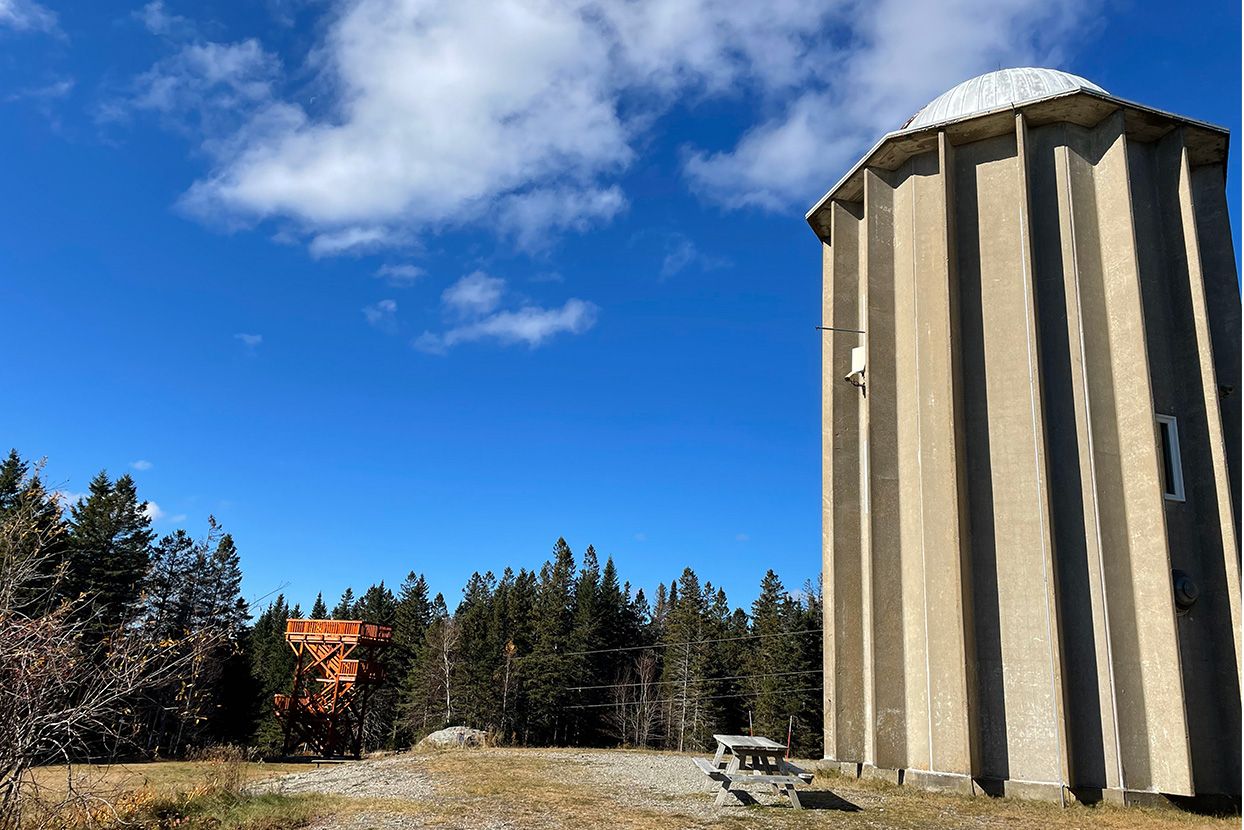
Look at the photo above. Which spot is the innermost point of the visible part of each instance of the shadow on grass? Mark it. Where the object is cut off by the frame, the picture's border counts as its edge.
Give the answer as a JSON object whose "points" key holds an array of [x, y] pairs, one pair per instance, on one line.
{"points": [[826, 800], [808, 799]]}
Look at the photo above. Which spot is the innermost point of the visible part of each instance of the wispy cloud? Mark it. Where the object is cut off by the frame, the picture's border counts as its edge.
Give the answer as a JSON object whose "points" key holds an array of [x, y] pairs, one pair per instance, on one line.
{"points": [[141, 464], [681, 253], [153, 511], [159, 21], [475, 294], [382, 315], [532, 217], [250, 341], [350, 240], [205, 88], [400, 276], [28, 16], [44, 92], [472, 304], [530, 325]]}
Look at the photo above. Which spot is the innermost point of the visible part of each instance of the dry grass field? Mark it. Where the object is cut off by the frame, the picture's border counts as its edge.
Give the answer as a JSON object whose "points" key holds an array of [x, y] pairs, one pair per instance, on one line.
{"points": [[499, 789]]}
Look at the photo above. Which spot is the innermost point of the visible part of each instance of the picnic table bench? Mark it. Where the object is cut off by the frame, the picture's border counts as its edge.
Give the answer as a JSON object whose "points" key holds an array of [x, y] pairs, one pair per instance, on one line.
{"points": [[747, 759]]}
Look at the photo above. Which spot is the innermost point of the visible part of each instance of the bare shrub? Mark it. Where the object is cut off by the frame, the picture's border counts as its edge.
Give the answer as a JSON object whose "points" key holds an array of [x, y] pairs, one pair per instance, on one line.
{"points": [[64, 695]]}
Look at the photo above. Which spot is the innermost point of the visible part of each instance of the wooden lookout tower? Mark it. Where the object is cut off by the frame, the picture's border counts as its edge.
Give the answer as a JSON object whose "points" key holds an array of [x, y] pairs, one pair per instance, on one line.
{"points": [[338, 665]]}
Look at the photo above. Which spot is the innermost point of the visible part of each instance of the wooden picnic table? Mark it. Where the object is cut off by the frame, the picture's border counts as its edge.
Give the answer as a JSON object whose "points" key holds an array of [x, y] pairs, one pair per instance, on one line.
{"points": [[748, 759]]}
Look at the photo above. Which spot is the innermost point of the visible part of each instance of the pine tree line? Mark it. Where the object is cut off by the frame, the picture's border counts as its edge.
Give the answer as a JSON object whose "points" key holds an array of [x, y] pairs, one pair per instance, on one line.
{"points": [[569, 655]]}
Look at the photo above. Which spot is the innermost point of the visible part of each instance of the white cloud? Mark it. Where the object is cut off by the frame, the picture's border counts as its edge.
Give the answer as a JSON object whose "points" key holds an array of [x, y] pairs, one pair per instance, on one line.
{"points": [[449, 112], [382, 315], [153, 511], [47, 92], [356, 239], [400, 276], [210, 88], [159, 21], [475, 294], [250, 341], [681, 253], [472, 302], [531, 325], [141, 464], [531, 216], [903, 54], [27, 16], [522, 115]]}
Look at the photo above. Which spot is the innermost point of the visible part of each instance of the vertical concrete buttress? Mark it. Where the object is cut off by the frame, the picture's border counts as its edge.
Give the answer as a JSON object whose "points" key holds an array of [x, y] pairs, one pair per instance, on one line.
{"points": [[843, 551]]}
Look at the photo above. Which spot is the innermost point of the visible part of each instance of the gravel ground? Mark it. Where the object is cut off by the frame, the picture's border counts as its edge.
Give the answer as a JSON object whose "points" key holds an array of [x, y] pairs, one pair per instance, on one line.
{"points": [[572, 789], [649, 780], [399, 777]]}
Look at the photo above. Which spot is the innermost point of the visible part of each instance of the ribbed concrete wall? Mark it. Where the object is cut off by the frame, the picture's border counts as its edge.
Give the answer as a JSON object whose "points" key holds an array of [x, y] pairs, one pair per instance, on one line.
{"points": [[997, 547]]}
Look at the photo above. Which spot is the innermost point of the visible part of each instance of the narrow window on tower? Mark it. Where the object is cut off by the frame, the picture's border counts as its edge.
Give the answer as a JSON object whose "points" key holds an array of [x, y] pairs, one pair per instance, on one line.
{"points": [[1172, 471]]}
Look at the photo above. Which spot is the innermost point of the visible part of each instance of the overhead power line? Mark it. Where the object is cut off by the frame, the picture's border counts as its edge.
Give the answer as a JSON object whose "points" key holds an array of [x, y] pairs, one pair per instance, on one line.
{"points": [[672, 645], [663, 701], [701, 680]]}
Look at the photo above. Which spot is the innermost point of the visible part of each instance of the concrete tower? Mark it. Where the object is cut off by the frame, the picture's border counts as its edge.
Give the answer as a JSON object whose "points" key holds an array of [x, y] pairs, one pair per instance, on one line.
{"points": [[1031, 464]]}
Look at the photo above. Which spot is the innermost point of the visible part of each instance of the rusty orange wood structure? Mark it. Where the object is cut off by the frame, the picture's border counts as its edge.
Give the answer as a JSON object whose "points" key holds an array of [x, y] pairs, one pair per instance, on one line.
{"points": [[338, 666]]}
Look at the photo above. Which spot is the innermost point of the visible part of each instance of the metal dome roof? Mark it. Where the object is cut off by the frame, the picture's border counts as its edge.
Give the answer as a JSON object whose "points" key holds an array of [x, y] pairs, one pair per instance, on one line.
{"points": [[994, 90]]}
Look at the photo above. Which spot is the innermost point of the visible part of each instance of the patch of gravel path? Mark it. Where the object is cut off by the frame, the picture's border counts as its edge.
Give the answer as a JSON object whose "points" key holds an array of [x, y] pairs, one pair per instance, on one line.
{"points": [[399, 777], [663, 783], [646, 780]]}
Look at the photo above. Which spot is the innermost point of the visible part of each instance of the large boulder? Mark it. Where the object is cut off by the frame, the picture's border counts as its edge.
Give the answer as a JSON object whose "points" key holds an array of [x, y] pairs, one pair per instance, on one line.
{"points": [[455, 737]]}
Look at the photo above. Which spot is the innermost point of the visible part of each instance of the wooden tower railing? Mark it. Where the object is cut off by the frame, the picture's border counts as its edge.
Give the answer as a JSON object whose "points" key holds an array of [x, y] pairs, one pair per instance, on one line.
{"points": [[337, 667]]}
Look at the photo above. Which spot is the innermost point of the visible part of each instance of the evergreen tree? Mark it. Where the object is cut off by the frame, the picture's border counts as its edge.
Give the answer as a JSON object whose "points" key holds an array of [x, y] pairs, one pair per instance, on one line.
{"points": [[193, 603], [165, 586], [226, 705], [377, 605], [549, 672], [516, 631], [411, 618], [110, 549], [223, 609], [586, 670], [13, 472], [45, 537], [777, 652], [319, 611], [687, 658], [809, 736], [272, 665], [344, 609], [479, 654], [429, 695]]}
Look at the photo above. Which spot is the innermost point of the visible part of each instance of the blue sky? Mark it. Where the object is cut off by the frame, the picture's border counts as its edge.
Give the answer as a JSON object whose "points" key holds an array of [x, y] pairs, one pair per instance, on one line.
{"points": [[389, 286]]}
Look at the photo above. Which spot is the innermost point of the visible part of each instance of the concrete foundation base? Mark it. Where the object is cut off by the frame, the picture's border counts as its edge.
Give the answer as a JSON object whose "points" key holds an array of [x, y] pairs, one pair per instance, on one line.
{"points": [[890, 776], [947, 782]]}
